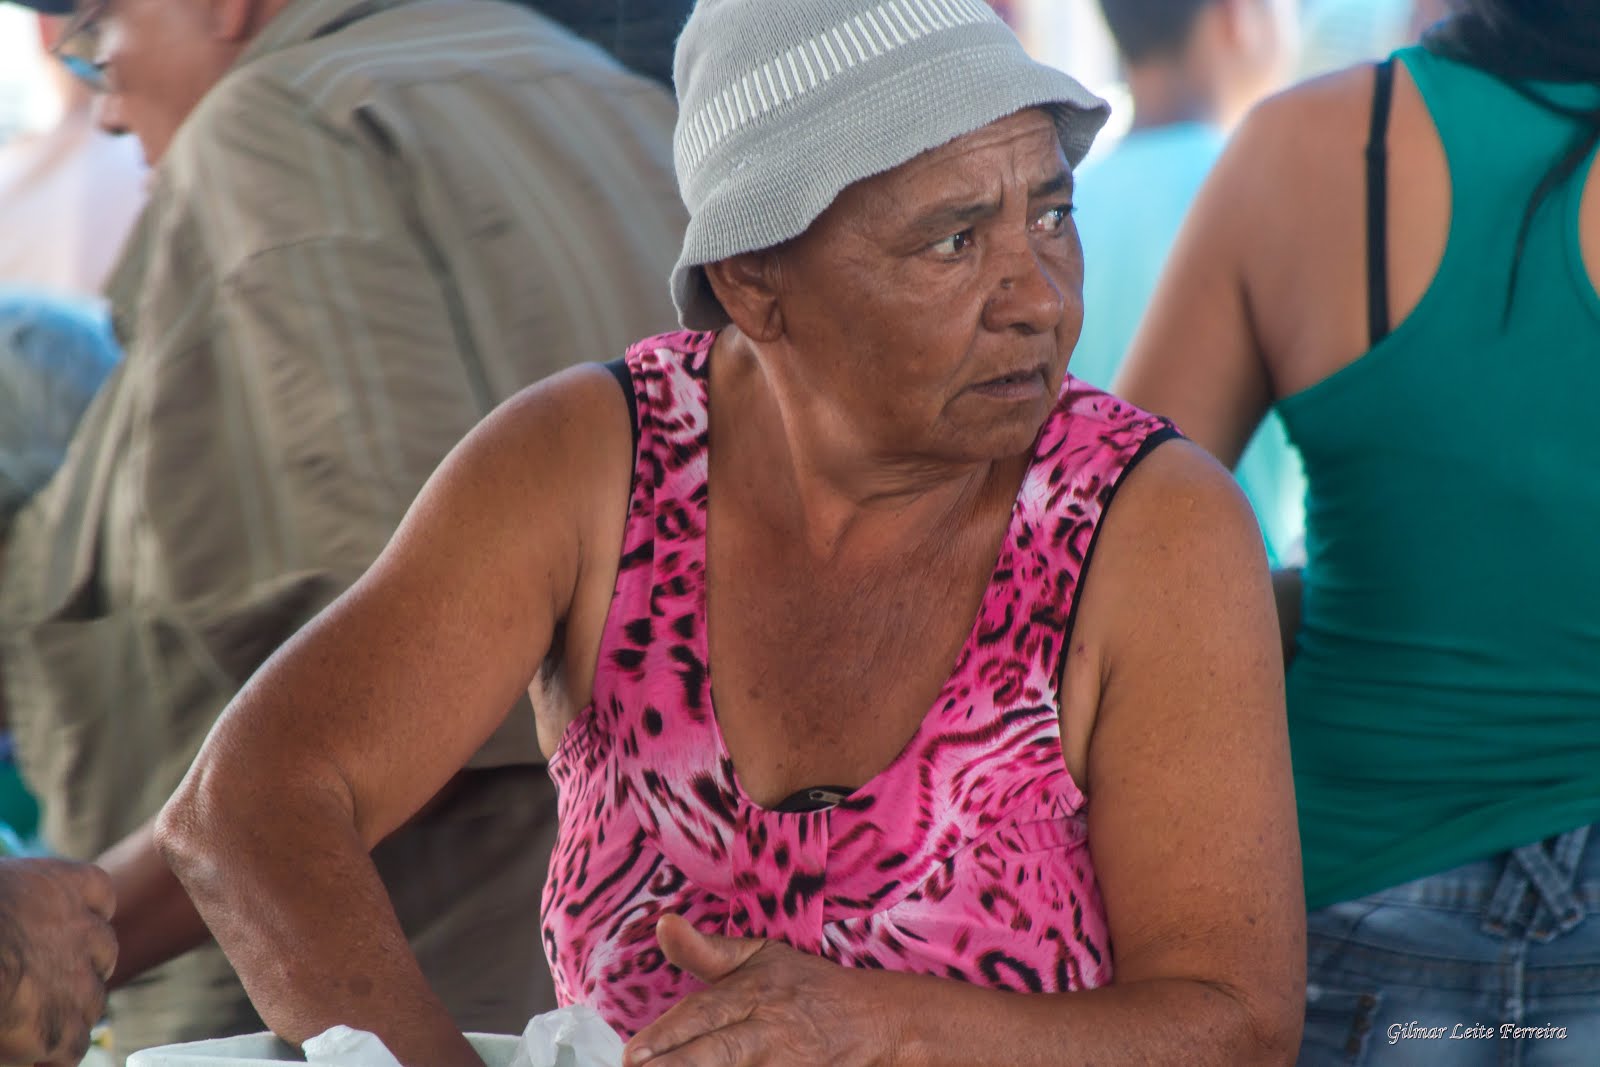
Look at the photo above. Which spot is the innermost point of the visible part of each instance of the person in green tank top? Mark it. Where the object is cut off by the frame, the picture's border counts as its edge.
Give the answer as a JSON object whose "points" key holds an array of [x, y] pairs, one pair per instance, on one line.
{"points": [[1403, 265]]}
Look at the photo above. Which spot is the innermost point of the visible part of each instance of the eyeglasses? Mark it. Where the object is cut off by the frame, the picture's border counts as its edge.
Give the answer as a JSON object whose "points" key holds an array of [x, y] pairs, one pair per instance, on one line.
{"points": [[79, 46]]}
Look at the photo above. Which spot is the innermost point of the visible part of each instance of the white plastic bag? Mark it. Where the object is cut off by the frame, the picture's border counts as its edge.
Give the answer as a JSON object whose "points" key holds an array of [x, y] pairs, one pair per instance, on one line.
{"points": [[345, 1047], [569, 1037]]}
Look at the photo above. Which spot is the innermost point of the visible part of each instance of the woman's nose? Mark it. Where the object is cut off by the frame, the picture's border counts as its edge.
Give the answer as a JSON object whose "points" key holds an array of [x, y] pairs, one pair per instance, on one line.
{"points": [[1027, 298]]}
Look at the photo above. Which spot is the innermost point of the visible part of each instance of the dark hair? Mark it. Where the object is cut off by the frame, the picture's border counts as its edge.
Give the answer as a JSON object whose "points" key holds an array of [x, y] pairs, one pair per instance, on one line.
{"points": [[1145, 29], [640, 34], [1521, 42]]}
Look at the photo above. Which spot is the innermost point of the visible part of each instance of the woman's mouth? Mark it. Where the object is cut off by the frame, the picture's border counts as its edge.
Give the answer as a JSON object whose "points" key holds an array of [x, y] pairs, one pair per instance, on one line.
{"points": [[1018, 385]]}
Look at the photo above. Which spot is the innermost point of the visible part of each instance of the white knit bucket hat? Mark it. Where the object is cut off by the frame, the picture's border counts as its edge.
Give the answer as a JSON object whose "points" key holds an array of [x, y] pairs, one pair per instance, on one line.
{"points": [[784, 103]]}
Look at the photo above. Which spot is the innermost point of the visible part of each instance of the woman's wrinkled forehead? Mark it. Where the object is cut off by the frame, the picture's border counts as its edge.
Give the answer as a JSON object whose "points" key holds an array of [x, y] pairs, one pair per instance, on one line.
{"points": [[1023, 148]]}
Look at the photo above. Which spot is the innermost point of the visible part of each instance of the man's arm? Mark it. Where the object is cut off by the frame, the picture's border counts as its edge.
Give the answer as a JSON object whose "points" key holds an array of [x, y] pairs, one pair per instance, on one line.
{"points": [[155, 921], [56, 949], [303, 488], [303, 408]]}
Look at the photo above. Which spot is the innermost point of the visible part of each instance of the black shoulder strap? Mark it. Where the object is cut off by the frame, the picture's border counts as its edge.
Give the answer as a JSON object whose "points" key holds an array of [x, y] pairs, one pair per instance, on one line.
{"points": [[1378, 205], [1158, 436], [619, 370]]}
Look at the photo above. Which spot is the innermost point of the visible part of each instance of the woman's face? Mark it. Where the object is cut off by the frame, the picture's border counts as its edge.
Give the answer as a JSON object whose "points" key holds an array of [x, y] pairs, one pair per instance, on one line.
{"points": [[934, 306]]}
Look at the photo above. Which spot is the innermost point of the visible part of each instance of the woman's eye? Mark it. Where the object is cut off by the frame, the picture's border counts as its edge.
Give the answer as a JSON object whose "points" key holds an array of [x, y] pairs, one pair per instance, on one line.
{"points": [[1053, 220], [955, 244]]}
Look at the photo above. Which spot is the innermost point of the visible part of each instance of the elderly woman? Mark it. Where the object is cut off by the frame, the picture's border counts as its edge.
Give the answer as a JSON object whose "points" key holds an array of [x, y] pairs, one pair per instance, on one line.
{"points": [[854, 766]]}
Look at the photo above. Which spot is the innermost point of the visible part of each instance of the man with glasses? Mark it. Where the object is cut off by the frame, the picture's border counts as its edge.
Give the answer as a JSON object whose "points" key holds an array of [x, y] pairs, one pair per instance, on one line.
{"points": [[369, 222]]}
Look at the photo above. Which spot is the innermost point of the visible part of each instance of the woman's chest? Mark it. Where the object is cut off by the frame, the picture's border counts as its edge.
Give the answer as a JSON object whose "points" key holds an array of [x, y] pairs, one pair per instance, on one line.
{"points": [[822, 678]]}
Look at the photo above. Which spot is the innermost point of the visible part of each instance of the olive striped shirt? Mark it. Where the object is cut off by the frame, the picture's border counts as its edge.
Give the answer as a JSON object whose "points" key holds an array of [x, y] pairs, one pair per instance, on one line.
{"points": [[386, 218]]}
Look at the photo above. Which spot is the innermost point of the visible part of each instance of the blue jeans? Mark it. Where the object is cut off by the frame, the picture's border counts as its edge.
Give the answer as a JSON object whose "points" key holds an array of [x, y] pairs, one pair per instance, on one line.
{"points": [[1494, 964]]}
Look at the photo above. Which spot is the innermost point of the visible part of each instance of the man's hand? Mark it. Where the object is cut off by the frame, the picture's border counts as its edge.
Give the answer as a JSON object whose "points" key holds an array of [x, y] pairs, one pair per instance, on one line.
{"points": [[56, 951]]}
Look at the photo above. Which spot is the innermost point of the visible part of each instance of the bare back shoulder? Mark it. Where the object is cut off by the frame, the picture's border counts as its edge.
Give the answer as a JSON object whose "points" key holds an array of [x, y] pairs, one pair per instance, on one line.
{"points": [[1304, 265], [1265, 292]]}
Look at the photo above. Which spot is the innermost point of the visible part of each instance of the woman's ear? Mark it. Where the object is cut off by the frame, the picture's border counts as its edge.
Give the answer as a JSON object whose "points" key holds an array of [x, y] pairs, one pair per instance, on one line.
{"points": [[746, 286]]}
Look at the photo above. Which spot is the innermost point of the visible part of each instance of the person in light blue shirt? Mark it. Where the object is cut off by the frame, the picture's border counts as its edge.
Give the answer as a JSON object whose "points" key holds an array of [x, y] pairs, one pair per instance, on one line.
{"points": [[54, 353], [1193, 68]]}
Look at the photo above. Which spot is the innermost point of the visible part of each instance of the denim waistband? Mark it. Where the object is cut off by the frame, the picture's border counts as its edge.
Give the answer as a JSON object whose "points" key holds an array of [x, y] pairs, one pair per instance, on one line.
{"points": [[1535, 892], [1542, 889]]}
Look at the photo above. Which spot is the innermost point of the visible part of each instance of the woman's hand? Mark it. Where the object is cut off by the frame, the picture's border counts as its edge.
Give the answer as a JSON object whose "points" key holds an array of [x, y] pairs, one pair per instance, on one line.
{"points": [[768, 1004]]}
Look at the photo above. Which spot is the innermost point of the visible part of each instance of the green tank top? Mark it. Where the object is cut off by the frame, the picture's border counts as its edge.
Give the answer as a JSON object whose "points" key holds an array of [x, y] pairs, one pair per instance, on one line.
{"points": [[1444, 700]]}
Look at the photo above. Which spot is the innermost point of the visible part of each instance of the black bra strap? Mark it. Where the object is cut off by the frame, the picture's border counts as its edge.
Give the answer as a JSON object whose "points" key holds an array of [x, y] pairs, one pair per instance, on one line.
{"points": [[619, 370], [816, 798], [1378, 205]]}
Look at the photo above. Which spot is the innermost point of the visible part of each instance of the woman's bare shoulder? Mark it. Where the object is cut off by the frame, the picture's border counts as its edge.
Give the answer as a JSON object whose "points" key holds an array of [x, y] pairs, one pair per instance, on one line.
{"points": [[1180, 496], [1178, 543], [1307, 125], [531, 490], [565, 437]]}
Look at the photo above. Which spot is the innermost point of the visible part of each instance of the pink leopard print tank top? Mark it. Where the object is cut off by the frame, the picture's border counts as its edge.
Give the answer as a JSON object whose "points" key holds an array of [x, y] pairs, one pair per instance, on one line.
{"points": [[965, 858]]}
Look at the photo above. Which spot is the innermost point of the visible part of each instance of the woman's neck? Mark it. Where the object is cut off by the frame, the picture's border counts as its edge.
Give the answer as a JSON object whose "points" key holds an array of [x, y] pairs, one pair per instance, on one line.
{"points": [[811, 475]]}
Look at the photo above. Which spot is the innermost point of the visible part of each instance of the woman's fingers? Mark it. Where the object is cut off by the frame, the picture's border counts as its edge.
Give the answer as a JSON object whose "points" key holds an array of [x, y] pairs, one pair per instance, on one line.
{"points": [[739, 1045], [709, 957], [691, 1019]]}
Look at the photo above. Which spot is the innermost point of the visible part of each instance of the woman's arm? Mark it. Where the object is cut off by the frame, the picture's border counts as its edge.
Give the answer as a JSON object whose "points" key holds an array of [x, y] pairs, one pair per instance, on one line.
{"points": [[1197, 357], [361, 718], [1191, 826], [1191, 799]]}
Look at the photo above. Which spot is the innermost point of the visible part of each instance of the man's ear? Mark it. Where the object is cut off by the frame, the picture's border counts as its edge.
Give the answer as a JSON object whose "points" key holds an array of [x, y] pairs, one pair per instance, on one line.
{"points": [[747, 287]]}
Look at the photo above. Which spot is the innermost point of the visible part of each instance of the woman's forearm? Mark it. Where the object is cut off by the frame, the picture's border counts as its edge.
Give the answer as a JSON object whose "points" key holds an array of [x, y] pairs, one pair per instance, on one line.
{"points": [[947, 1023], [279, 873]]}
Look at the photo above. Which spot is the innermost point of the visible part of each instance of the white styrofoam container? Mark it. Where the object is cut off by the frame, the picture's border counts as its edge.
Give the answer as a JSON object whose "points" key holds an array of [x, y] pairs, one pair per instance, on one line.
{"points": [[496, 1050]]}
